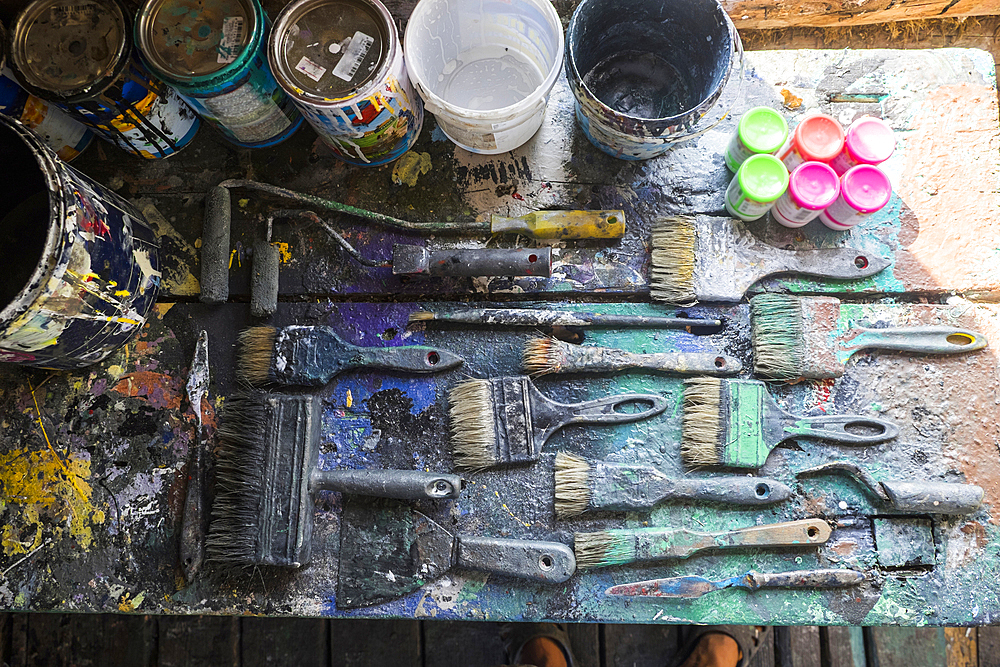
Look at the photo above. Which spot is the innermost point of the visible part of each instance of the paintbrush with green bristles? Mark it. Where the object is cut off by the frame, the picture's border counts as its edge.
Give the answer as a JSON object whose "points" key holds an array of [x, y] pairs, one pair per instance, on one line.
{"points": [[736, 423]]}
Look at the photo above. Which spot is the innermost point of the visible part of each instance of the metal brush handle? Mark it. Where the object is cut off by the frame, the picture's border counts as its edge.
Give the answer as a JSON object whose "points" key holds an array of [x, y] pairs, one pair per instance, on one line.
{"points": [[604, 410], [404, 484], [551, 562], [922, 340], [842, 263], [835, 428]]}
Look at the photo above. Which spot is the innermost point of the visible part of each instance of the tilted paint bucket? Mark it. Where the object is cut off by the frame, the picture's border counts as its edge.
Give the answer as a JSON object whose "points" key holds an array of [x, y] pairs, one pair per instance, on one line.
{"points": [[81, 264], [485, 68], [645, 73]]}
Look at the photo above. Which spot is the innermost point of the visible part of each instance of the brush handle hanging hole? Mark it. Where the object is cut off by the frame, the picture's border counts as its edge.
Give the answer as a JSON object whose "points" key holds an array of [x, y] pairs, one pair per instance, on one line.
{"points": [[433, 358], [720, 362], [633, 406], [546, 562], [762, 490], [532, 258], [861, 262], [812, 532], [960, 339]]}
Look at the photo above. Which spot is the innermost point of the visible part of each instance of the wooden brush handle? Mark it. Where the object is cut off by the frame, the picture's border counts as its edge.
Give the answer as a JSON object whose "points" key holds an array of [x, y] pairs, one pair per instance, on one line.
{"points": [[586, 359], [825, 578]]}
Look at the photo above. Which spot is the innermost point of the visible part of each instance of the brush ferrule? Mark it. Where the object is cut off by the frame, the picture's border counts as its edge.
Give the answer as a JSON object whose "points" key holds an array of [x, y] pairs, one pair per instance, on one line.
{"points": [[626, 488], [742, 409]]}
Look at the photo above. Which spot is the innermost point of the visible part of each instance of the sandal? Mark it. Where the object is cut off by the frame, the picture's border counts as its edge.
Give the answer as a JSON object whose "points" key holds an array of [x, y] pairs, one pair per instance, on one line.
{"points": [[748, 637], [516, 635]]}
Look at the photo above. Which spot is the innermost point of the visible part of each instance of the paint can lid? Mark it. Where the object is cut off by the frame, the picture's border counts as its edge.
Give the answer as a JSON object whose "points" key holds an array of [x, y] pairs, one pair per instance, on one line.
{"points": [[820, 138], [813, 185], [187, 39], [330, 49], [69, 47], [866, 188], [763, 177], [870, 140], [763, 130]]}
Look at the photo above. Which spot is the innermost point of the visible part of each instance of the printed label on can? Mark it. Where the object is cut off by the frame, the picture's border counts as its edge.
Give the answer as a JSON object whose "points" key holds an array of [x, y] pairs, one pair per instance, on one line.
{"points": [[310, 69], [250, 116], [232, 39], [843, 162], [789, 154], [736, 153], [843, 214], [355, 53], [742, 206], [74, 14], [790, 214]]}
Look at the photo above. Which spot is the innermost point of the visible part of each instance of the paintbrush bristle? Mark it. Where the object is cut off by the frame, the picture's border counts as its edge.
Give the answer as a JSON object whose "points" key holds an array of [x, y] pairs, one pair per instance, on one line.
{"points": [[777, 331], [603, 549], [572, 485], [422, 316], [703, 421], [253, 364], [543, 355], [671, 276], [473, 430]]}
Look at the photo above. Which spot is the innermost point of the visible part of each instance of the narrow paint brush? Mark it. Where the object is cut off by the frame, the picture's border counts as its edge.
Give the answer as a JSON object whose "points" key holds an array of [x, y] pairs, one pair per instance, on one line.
{"points": [[539, 318], [583, 485], [547, 355], [714, 259], [312, 355], [618, 547], [800, 337], [507, 420], [736, 423], [695, 587]]}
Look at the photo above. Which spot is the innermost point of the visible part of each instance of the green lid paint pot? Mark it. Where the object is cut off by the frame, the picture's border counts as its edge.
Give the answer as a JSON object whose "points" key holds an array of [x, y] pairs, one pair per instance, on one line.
{"points": [[869, 140], [812, 187], [758, 183], [760, 130], [863, 190], [818, 138]]}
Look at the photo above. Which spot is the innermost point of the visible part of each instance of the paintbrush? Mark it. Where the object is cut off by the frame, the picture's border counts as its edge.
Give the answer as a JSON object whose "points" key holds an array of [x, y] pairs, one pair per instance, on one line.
{"points": [[583, 485], [716, 259], [546, 355], [267, 474], [507, 420], [312, 355], [695, 587], [618, 547], [736, 423], [800, 337], [539, 318]]}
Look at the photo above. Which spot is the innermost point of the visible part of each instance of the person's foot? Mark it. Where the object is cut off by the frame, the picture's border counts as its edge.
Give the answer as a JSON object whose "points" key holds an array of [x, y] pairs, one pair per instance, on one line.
{"points": [[720, 645], [538, 644], [714, 650]]}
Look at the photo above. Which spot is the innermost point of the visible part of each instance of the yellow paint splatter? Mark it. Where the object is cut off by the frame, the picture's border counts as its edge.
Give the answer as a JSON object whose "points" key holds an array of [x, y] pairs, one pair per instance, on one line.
{"points": [[285, 255], [513, 516], [350, 398], [409, 168], [122, 293], [243, 202], [234, 255], [116, 371]]}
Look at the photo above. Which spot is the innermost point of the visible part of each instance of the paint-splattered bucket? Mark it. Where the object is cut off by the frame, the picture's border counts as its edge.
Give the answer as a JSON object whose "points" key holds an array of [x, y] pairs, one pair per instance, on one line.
{"points": [[342, 64], [78, 55], [212, 52], [81, 266], [645, 73]]}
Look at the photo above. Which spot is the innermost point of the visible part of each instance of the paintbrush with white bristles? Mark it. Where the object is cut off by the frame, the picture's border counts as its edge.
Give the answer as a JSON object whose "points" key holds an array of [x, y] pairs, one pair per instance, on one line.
{"points": [[546, 355]]}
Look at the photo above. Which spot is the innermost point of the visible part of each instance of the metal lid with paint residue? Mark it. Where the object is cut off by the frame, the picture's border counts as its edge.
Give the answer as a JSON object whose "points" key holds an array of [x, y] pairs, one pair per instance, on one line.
{"points": [[188, 39], [331, 49], [69, 47]]}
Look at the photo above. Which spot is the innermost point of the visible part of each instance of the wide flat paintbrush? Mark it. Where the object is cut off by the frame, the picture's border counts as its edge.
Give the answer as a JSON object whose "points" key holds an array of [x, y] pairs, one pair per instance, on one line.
{"points": [[546, 355], [802, 337], [540, 318], [507, 420], [714, 259], [312, 355], [736, 423], [695, 587], [618, 547], [583, 485]]}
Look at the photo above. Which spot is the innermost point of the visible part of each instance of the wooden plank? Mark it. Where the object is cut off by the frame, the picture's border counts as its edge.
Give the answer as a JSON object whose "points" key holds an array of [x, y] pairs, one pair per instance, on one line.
{"points": [[765, 655], [85, 640], [448, 643], [639, 645], [283, 642], [960, 646], [379, 643], [585, 641], [805, 645], [905, 647], [18, 639], [988, 645], [756, 14], [199, 640], [6, 623], [841, 646]]}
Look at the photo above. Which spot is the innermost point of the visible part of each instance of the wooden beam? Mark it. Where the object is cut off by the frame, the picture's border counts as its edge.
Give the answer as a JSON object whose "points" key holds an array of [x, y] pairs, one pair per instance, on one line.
{"points": [[760, 14]]}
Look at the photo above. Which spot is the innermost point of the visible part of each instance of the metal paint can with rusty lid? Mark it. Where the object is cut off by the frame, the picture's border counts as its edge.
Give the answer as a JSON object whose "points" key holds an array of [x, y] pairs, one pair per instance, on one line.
{"points": [[342, 64], [78, 55], [212, 52]]}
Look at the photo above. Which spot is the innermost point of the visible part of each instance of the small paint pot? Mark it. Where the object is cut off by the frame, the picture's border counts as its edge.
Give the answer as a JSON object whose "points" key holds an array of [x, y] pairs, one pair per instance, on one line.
{"points": [[864, 190], [78, 54], [812, 187], [818, 138], [868, 140], [760, 130], [342, 64], [81, 264], [758, 183], [212, 52]]}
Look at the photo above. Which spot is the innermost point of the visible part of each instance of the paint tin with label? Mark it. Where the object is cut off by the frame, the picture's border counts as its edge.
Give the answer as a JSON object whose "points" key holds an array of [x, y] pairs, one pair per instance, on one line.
{"points": [[213, 53], [812, 186], [868, 140], [864, 190], [760, 130], [81, 264], [78, 55], [758, 183], [818, 138], [342, 64]]}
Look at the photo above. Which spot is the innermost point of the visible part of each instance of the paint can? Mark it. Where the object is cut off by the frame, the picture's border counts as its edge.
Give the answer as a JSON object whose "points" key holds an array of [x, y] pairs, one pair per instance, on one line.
{"points": [[78, 55], [342, 64], [61, 133], [644, 73], [760, 130], [812, 187], [864, 189], [485, 68], [869, 140], [213, 53], [81, 263], [818, 138], [758, 183]]}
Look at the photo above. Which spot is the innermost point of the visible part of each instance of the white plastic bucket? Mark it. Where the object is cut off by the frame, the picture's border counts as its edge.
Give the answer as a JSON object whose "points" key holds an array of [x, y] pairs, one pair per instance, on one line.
{"points": [[485, 68]]}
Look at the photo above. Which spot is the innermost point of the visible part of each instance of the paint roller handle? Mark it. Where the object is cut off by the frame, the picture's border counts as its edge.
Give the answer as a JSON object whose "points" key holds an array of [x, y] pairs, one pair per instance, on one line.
{"points": [[922, 339], [551, 562], [402, 484], [215, 247], [843, 429], [563, 224]]}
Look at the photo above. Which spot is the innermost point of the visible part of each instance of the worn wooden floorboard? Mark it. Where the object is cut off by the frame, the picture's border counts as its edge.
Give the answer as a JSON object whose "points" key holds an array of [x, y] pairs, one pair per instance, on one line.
{"points": [[198, 640], [988, 646], [639, 645], [375, 643], [797, 646], [289, 642], [449, 643], [905, 647], [78, 640], [586, 642], [841, 647]]}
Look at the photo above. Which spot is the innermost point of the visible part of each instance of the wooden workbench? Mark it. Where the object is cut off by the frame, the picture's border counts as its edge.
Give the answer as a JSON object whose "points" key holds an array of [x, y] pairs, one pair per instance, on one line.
{"points": [[91, 520]]}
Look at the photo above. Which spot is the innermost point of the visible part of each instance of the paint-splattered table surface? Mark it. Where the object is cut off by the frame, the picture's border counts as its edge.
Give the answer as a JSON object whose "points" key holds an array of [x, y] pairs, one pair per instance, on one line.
{"points": [[94, 462]]}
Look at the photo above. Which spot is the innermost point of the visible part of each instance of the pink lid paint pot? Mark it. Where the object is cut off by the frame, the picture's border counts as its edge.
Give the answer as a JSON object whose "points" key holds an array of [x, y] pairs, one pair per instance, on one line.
{"points": [[869, 140], [818, 138], [863, 190], [812, 187]]}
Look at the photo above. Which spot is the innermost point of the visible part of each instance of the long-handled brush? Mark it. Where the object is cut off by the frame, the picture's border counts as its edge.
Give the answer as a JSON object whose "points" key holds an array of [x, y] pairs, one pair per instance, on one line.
{"points": [[545, 355], [736, 423]]}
